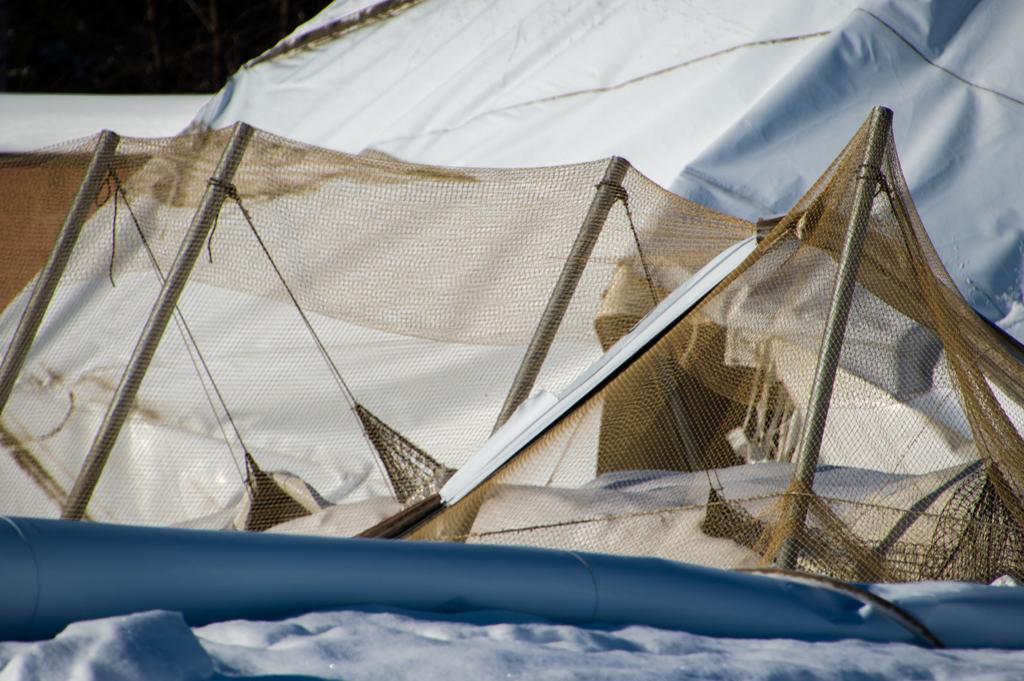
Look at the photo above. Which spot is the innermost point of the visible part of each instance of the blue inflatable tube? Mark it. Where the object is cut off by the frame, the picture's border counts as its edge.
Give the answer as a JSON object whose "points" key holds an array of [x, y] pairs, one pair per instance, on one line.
{"points": [[55, 572]]}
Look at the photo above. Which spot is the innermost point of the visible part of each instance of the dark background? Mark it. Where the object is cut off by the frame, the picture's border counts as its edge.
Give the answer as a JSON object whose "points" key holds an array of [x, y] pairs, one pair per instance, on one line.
{"points": [[137, 46]]}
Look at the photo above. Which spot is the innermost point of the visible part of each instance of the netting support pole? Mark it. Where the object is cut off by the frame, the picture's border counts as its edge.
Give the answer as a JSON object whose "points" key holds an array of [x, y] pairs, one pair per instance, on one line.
{"points": [[174, 284], [49, 277], [609, 190], [868, 179]]}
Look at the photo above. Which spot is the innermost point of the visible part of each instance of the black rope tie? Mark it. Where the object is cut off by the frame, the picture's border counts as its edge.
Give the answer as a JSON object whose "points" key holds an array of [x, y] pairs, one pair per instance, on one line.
{"points": [[231, 192], [110, 187], [116, 190], [113, 244], [131, 212], [883, 185], [872, 174], [106, 189], [617, 191], [209, 239]]}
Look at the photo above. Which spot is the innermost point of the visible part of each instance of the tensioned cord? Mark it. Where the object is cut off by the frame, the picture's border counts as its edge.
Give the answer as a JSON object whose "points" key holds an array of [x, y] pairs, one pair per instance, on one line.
{"points": [[196, 356], [232, 192], [620, 194]]}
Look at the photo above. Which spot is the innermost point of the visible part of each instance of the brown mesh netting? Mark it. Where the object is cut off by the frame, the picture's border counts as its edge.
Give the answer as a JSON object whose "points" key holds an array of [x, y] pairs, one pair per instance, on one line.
{"points": [[412, 471], [341, 309], [269, 503], [690, 451]]}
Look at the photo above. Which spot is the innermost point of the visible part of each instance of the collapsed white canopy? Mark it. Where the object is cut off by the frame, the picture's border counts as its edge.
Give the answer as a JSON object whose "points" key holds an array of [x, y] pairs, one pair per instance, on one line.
{"points": [[738, 105]]}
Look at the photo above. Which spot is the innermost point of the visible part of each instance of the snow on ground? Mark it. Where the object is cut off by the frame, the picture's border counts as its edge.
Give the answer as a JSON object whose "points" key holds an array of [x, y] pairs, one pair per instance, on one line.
{"points": [[354, 645], [33, 121]]}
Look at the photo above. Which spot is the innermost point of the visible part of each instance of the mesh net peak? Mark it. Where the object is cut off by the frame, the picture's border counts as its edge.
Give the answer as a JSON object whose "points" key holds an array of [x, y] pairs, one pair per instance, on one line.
{"points": [[879, 131]]}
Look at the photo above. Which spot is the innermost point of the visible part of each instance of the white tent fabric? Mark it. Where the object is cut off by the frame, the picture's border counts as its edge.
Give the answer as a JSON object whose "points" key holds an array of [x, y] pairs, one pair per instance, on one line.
{"points": [[739, 105], [950, 72], [531, 83]]}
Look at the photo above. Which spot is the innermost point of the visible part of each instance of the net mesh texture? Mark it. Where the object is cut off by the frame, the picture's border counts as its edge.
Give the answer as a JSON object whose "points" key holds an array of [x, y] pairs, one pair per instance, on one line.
{"points": [[689, 452], [345, 340], [352, 326]]}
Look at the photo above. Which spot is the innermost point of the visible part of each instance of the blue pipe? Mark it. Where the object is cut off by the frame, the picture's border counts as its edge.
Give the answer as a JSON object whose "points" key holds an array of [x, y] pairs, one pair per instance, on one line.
{"points": [[55, 572]]}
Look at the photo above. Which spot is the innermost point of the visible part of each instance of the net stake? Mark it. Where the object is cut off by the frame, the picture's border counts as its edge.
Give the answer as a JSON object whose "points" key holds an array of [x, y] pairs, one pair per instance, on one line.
{"points": [[835, 329], [609, 190], [145, 348], [53, 270]]}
